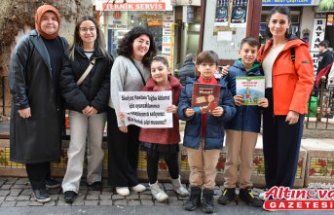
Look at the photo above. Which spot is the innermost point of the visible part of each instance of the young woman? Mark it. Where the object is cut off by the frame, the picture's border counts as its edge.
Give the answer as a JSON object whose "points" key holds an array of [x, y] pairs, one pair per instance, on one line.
{"points": [[37, 116], [129, 73], [87, 102], [288, 70]]}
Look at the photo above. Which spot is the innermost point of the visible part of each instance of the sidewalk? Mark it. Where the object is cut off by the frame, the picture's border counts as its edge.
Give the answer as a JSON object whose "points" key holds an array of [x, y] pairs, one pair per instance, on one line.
{"points": [[16, 198]]}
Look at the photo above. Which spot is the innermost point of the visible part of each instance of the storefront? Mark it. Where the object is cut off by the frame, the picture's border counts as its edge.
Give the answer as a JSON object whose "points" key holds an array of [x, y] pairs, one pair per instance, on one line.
{"points": [[301, 11], [118, 17]]}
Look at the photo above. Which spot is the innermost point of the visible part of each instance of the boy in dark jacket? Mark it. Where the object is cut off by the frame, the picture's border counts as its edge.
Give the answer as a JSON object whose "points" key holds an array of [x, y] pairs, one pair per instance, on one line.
{"points": [[325, 55], [188, 69], [204, 132], [242, 130]]}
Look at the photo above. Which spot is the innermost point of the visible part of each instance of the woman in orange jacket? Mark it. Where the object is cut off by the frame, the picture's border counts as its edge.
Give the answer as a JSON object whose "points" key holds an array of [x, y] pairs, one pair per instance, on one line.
{"points": [[288, 69]]}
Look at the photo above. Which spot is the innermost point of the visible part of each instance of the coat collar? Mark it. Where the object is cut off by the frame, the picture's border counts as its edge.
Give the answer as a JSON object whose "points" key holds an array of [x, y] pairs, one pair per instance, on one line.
{"points": [[292, 43], [96, 54], [41, 48]]}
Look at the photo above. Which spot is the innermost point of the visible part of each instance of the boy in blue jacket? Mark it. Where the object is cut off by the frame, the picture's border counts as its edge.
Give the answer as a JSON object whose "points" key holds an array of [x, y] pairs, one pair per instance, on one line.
{"points": [[204, 132], [242, 130]]}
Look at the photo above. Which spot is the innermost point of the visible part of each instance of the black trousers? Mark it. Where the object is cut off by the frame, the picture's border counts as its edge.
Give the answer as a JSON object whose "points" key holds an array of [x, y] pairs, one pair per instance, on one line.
{"points": [[37, 173], [171, 160], [122, 153], [281, 145]]}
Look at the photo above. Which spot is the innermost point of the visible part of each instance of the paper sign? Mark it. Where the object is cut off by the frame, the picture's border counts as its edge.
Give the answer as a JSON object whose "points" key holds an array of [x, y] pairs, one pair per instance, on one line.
{"points": [[147, 109]]}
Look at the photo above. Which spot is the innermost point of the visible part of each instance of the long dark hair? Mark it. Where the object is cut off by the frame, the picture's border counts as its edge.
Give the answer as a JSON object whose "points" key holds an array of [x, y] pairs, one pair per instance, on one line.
{"points": [[282, 10], [99, 44], [125, 45]]}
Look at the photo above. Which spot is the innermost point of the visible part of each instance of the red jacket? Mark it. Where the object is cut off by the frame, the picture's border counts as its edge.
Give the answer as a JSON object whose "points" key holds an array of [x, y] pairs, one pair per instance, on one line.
{"points": [[292, 80], [163, 135]]}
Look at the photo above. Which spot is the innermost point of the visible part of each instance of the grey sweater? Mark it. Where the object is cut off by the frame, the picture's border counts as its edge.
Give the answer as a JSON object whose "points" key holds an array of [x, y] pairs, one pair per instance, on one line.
{"points": [[124, 76]]}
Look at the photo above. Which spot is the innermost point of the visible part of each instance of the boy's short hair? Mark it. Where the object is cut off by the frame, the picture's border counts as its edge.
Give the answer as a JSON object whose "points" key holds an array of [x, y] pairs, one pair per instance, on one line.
{"points": [[252, 41], [324, 43], [207, 56]]}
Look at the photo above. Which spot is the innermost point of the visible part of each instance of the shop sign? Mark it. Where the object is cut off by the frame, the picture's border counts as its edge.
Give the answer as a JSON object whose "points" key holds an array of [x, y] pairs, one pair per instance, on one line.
{"points": [[287, 2], [318, 33], [139, 5]]}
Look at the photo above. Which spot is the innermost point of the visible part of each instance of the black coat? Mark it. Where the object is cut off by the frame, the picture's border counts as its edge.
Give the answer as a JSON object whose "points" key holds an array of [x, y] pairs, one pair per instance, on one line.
{"points": [[33, 84], [94, 90], [324, 59], [188, 69]]}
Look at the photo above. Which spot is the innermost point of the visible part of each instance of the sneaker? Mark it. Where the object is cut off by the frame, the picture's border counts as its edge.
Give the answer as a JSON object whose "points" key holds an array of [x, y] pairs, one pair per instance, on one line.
{"points": [[228, 196], [51, 183], [138, 188], [158, 193], [179, 188], [262, 195], [248, 197], [69, 196], [96, 186], [41, 195], [123, 191]]}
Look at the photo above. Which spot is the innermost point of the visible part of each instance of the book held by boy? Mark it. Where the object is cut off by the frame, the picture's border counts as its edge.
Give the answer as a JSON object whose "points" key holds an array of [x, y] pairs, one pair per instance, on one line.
{"points": [[205, 95], [251, 88]]}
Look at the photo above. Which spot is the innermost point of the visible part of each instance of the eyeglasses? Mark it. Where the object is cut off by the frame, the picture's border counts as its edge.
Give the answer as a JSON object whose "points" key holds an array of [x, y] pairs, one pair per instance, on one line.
{"points": [[85, 30]]}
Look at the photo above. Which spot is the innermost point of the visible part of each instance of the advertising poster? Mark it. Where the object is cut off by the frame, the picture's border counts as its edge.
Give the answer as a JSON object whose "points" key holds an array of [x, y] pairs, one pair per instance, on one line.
{"points": [[239, 13], [221, 17]]}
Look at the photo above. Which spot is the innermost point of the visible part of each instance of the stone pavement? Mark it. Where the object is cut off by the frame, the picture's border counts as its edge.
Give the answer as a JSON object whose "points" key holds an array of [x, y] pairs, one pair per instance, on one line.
{"points": [[16, 192], [16, 199]]}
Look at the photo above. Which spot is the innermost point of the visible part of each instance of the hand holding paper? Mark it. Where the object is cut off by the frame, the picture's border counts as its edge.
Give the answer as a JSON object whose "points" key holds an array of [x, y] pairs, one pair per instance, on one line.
{"points": [[123, 129], [189, 112], [218, 111], [172, 109], [263, 102], [238, 100]]}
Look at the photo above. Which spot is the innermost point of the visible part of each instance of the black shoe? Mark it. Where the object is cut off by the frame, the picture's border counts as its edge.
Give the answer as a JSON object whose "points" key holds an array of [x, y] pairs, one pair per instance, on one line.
{"points": [[51, 183], [248, 197], [228, 196], [41, 195], [207, 204], [96, 186], [194, 199], [69, 196]]}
